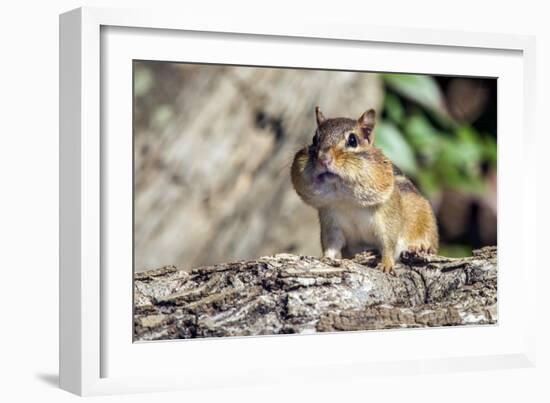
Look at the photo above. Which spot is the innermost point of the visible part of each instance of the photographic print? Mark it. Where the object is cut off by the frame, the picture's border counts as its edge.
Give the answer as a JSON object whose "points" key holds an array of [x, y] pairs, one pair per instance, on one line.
{"points": [[274, 200]]}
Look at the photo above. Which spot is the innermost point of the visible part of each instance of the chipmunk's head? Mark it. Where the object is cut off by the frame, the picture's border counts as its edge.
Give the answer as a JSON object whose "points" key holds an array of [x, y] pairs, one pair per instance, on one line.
{"points": [[341, 163]]}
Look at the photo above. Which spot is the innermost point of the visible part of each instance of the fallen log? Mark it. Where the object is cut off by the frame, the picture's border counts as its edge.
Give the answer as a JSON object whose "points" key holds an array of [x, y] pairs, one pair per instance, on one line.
{"points": [[286, 293]]}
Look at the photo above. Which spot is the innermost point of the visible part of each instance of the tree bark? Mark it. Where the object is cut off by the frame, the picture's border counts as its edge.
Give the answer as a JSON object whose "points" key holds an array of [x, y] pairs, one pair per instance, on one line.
{"points": [[301, 294]]}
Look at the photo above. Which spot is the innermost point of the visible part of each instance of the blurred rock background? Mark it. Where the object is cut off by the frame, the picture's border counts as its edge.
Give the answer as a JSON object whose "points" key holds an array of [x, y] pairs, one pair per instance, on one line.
{"points": [[213, 147]]}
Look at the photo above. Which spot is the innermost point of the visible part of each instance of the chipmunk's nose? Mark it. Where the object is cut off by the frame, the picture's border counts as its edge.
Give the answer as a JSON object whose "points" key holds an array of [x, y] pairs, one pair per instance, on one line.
{"points": [[325, 159]]}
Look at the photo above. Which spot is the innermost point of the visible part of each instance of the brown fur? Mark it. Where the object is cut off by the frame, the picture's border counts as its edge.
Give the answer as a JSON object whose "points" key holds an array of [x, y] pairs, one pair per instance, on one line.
{"points": [[364, 201]]}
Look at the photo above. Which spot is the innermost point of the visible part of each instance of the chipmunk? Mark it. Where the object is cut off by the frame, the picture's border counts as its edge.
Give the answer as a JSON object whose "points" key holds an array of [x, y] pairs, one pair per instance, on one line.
{"points": [[364, 201]]}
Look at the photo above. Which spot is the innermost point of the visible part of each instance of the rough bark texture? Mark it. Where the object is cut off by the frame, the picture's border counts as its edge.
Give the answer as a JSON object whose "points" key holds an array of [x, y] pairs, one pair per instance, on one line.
{"points": [[300, 294]]}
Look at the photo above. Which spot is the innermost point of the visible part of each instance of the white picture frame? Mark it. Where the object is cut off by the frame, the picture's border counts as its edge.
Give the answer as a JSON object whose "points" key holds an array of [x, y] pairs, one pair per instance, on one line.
{"points": [[96, 354]]}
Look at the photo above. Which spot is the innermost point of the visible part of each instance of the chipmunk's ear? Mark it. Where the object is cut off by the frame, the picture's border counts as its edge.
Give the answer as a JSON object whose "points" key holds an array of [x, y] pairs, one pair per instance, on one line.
{"points": [[366, 123], [319, 115]]}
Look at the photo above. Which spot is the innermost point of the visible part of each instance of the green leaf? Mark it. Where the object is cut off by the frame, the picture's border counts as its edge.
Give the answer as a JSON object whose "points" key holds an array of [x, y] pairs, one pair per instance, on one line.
{"points": [[394, 109], [490, 150], [470, 146], [455, 250], [395, 147], [426, 140], [428, 182], [421, 89]]}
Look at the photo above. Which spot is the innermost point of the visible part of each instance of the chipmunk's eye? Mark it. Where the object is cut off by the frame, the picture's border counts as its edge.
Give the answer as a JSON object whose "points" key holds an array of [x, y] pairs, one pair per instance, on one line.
{"points": [[352, 140]]}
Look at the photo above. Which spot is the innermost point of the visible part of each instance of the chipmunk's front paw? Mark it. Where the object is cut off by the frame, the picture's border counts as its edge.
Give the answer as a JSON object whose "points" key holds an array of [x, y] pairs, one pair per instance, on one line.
{"points": [[421, 249], [331, 261], [387, 267]]}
